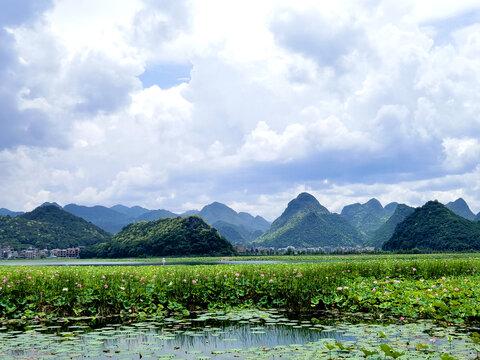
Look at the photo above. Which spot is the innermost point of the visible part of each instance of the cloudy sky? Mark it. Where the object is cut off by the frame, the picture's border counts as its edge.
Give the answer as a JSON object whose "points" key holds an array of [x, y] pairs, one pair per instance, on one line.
{"points": [[175, 104]]}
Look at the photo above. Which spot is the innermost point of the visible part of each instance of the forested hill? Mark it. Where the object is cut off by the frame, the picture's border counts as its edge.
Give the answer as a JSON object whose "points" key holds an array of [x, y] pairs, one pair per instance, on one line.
{"points": [[164, 237], [433, 226], [48, 227], [306, 223]]}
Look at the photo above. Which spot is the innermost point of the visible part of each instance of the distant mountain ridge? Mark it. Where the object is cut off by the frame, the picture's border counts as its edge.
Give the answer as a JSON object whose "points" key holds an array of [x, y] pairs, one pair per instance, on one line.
{"points": [[368, 217], [239, 228], [113, 219], [306, 223], [6, 212], [134, 211]]}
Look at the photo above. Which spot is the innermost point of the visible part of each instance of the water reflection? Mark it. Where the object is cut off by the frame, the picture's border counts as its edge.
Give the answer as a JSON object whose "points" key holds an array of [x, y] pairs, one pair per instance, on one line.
{"points": [[247, 337]]}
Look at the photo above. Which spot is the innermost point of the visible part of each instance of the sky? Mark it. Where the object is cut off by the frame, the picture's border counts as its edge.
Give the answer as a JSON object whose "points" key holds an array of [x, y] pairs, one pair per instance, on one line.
{"points": [[176, 104]]}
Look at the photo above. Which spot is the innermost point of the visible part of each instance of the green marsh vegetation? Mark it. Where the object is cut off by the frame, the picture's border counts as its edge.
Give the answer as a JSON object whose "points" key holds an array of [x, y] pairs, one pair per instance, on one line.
{"points": [[443, 289]]}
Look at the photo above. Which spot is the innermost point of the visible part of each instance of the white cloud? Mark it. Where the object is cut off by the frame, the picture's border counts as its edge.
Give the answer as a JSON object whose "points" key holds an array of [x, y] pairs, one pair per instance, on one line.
{"points": [[461, 153], [282, 96]]}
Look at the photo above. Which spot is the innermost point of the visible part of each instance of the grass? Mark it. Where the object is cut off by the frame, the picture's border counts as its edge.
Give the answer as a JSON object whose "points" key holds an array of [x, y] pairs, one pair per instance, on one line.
{"points": [[446, 289]]}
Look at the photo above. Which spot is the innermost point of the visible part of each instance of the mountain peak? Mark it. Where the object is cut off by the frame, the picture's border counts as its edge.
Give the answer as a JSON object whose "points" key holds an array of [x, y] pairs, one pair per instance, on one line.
{"points": [[305, 202], [460, 207], [50, 204], [217, 207], [304, 196], [373, 203], [218, 211]]}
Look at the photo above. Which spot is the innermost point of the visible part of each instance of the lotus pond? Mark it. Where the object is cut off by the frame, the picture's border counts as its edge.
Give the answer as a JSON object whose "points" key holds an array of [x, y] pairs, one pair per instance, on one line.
{"points": [[432, 306], [247, 334]]}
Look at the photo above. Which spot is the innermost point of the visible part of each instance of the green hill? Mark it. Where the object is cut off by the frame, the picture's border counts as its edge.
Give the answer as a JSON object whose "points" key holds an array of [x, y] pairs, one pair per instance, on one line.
{"points": [[48, 227], [306, 223], [385, 232], [433, 226], [164, 237], [368, 217]]}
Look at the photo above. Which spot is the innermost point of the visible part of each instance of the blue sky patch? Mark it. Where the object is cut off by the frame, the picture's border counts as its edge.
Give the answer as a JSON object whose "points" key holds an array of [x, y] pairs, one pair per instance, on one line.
{"points": [[165, 75]]}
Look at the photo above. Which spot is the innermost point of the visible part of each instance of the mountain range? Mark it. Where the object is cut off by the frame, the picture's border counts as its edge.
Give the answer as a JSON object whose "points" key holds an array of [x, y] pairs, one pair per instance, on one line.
{"points": [[304, 223], [238, 228]]}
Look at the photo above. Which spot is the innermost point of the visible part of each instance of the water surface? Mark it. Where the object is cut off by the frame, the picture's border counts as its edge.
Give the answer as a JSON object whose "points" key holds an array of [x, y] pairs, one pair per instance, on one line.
{"points": [[243, 335]]}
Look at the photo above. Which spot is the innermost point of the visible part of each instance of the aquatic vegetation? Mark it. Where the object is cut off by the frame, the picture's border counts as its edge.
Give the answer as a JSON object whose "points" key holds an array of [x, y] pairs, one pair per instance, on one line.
{"points": [[442, 289], [240, 334]]}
